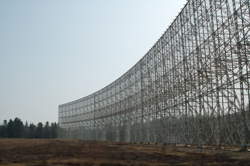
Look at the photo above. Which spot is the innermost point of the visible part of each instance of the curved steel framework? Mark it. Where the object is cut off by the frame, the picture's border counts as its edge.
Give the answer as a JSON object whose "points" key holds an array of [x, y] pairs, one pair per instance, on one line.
{"points": [[193, 85]]}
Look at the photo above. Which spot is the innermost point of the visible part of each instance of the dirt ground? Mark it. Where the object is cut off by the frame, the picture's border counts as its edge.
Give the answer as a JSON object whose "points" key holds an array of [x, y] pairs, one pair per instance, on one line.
{"points": [[58, 152]]}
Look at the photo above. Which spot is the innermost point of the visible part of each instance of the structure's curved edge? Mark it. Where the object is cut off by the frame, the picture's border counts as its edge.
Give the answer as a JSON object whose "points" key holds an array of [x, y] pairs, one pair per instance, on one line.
{"points": [[122, 76]]}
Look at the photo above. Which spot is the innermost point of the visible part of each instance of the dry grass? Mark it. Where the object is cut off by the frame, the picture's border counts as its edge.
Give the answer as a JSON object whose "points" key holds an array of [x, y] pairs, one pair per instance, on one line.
{"points": [[42, 152]]}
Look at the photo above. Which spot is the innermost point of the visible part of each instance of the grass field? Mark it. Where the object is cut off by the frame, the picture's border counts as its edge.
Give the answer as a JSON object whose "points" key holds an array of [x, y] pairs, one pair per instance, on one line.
{"points": [[31, 152]]}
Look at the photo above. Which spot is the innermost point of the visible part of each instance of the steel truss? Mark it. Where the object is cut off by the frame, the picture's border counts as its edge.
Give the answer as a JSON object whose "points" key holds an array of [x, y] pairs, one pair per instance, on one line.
{"points": [[192, 87]]}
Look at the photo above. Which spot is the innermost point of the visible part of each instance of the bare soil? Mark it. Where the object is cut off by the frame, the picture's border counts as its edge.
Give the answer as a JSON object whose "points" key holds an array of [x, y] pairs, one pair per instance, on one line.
{"points": [[59, 152]]}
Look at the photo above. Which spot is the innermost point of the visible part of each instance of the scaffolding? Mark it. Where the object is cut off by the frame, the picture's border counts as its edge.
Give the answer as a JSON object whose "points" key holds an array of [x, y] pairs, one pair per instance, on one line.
{"points": [[192, 86]]}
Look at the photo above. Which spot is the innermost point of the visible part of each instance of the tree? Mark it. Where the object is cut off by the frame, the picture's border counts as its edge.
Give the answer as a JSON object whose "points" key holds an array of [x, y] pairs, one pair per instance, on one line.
{"points": [[47, 131], [10, 129], [39, 130], [18, 128], [54, 130], [32, 131], [3, 129], [26, 130]]}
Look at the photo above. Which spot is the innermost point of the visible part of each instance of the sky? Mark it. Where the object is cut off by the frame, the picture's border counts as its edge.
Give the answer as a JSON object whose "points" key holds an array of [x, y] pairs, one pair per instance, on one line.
{"points": [[56, 51]]}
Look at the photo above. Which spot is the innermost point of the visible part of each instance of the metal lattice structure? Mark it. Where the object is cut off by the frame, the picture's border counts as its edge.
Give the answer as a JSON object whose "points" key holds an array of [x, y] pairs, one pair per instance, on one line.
{"points": [[192, 87]]}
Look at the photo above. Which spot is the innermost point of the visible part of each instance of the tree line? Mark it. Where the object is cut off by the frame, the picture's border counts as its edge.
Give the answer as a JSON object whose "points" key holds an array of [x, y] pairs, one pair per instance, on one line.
{"points": [[17, 129]]}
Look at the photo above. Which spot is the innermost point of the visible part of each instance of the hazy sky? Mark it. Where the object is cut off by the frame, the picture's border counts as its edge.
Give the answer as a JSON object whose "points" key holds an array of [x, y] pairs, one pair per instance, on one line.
{"points": [[55, 51]]}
